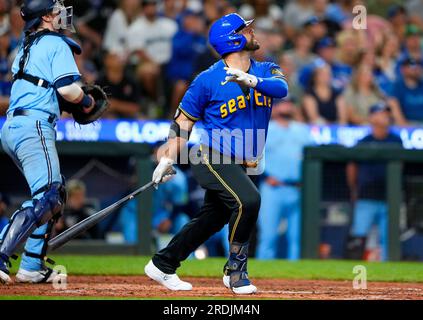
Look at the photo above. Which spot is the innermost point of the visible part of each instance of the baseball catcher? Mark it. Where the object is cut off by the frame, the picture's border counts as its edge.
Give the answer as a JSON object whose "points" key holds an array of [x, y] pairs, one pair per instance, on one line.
{"points": [[44, 73]]}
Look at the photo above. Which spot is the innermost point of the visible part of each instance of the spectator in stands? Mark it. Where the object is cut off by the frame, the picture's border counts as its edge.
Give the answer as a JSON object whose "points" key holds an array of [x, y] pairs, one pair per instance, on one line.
{"points": [[150, 38], [168, 202], [295, 14], [86, 66], [322, 103], [123, 90], [118, 25], [361, 94], [91, 18], [415, 12], [340, 11], [5, 76], [367, 183], [187, 45], [4, 204], [295, 90], [301, 54], [171, 9], [317, 29], [326, 49], [397, 16], [16, 28], [350, 44], [280, 190], [4, 15], [76, 210], [407, 93], [412, 43], [272, 42], [267, 14], [214, 9], [385, 69]]}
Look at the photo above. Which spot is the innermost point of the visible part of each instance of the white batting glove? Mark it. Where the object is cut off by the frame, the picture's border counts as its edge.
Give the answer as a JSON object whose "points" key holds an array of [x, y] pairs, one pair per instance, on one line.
{"points": [[164, 171], [240, 77]]}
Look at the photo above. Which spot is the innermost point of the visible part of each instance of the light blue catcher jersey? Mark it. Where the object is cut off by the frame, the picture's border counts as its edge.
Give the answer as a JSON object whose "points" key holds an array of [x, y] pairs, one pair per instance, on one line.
{"points": [[50, 58], [232, 116]]}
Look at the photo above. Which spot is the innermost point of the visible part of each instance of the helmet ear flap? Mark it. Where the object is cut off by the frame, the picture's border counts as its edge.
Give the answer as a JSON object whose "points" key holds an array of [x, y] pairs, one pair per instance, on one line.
{"points": [[236, 43]]}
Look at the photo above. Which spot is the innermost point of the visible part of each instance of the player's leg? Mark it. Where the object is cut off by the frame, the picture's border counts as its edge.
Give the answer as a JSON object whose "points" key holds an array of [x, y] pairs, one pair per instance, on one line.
{"points": [[292, 210], [268, 221], [162, 267], [240, 196], [33, 146], [363, 219], [382, 222]]}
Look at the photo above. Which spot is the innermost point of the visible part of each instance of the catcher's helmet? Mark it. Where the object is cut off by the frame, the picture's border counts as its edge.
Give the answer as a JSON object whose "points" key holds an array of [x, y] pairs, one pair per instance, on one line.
{"points": [[33, 10], [224, 36]]}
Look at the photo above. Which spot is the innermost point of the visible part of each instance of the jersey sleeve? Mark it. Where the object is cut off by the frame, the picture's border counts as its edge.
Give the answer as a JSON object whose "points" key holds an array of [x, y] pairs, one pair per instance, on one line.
{"points": [[63, 62], [195, 99], [273, 71]]}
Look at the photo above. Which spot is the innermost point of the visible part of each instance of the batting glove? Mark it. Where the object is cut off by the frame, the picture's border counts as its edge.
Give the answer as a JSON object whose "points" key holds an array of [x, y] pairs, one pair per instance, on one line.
{"points": [[240, 77], [164, 171]]}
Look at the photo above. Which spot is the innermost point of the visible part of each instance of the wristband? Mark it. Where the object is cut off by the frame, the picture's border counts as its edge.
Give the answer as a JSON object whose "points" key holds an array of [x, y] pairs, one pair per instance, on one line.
{"points": [[86, 101]]}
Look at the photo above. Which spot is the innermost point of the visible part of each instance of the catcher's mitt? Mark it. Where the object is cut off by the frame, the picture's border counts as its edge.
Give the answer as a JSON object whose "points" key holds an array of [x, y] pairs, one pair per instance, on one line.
{"points": [[101, 105]]}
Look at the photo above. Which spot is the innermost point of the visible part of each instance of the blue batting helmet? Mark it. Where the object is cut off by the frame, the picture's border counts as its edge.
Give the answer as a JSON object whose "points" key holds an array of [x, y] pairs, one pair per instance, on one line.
{"points": [[33, 10], [224, 36]]}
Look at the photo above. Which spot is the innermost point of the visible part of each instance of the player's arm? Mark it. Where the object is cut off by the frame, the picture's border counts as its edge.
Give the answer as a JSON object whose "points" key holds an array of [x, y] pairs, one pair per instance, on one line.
{"points": [[65, 74], [180, 131], [274, 86], [74, 94]]}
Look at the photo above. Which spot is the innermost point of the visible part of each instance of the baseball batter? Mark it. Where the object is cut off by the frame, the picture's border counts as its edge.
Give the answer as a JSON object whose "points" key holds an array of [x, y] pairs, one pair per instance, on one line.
{"points": [[44, 72], [233, 96]]}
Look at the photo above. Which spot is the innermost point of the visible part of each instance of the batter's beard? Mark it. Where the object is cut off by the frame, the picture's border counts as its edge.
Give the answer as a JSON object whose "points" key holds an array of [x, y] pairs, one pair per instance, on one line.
{"points": [[252, 45]]}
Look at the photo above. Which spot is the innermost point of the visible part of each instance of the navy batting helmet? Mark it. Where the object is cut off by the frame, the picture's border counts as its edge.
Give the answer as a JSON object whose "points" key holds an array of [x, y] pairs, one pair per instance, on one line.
{"points": [[224, 34]]}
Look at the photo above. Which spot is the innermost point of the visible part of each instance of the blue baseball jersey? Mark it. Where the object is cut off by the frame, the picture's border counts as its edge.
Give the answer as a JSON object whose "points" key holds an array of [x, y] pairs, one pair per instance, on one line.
{"points": [[235, 118], [50, 58]]}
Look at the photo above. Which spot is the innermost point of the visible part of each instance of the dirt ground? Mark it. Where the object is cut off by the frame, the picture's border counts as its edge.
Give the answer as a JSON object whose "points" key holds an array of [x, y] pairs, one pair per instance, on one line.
{"points": [[142, 287]]}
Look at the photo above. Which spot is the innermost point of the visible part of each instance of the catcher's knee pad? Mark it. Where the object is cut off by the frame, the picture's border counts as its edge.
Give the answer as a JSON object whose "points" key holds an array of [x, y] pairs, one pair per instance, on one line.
{"points": [[26, 220]]}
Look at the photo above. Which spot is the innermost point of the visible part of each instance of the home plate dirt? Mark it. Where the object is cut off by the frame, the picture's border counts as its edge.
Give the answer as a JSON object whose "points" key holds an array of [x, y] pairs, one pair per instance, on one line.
{"points": [[142, 287]]}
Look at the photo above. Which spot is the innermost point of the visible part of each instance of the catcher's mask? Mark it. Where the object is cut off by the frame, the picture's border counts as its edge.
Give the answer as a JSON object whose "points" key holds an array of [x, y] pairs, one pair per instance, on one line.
{"points": [[64, 18]]}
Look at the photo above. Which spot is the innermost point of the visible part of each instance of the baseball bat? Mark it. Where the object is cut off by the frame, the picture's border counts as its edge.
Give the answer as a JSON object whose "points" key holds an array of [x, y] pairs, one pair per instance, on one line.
{"points": [[92, 220]]}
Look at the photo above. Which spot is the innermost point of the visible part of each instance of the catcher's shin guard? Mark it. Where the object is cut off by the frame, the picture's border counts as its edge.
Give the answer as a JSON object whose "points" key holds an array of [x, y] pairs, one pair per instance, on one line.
{"points": [[236, 267], [36, 248], [26, 220]]}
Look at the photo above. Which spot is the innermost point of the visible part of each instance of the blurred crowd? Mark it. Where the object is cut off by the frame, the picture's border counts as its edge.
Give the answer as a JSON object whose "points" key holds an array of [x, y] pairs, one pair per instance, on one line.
{"points": [[146, 52]]}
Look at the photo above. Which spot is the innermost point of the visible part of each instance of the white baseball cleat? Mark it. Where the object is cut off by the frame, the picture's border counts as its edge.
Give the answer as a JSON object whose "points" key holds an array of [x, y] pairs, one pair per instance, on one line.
{"points": [[227, 281], [170, 281], [250, 289], [4, 278], [45, 275]]}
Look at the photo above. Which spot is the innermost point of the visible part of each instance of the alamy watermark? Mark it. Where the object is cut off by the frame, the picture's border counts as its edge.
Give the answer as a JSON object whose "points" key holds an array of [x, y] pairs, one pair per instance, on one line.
{"points": [[360, 17], [60, 279], [360, 280]]}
